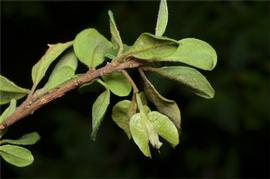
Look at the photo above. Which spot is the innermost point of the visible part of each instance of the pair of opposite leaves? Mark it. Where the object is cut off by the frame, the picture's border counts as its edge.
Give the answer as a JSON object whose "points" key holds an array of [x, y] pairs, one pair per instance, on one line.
{"points": [[9, 149], [15, 154]]}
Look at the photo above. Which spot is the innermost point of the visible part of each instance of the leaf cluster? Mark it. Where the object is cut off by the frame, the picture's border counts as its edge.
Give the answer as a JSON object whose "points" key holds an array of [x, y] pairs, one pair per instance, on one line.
{"points": [[133, 116]]}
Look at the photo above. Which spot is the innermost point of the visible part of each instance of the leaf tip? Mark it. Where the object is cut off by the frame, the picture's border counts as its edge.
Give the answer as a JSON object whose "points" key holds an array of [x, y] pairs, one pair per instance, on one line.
{"points": [[93, 136], [162, 19], [110, 13]]}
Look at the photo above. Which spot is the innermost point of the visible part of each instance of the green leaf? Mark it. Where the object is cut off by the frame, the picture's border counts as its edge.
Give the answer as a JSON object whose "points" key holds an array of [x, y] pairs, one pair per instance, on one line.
{"points": [[117, 83], [9, 90], [63, 71], [112, 52], [164, 105], [99, 109], [164, 127], [139, 134], [189, 77], [162, 18], [120, 115], [6, 97], [9, 110], [152, 48], [27, 139], [146, 109], [152, 134], [8, 86], [40, 68], [116, 38], [196, 53], [16, 155], [91, 47]]}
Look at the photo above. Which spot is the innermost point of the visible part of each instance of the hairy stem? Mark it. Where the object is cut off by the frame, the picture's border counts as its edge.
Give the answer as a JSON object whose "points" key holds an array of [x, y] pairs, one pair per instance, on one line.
{"points": [[30, 105]]}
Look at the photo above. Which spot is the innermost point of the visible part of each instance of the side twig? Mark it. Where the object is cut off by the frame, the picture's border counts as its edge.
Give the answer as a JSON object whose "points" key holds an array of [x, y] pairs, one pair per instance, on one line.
{"points": [[131, 82]]}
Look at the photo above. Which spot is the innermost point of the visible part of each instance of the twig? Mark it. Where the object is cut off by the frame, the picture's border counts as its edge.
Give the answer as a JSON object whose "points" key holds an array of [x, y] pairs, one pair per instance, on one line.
{"points": [[131, 82], [30, 105]]}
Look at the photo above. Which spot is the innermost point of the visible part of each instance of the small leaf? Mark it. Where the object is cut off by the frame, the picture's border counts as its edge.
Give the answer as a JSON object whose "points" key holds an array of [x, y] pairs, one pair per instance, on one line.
{"points": [[196, 53], [162, 18], [63, 71], [99, 109], [91, 47], [116, 38], [139, 134], [189, 77], [120, 115], [27, 139], [117, 83], [9, 90], [152, 48], [16, 155], [9, 110], [164, 105], [40, 68], [164, 127]]}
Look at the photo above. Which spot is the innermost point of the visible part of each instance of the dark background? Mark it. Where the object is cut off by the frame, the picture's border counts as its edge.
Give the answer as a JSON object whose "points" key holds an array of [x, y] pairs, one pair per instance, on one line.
{"points": [[225, 137]]}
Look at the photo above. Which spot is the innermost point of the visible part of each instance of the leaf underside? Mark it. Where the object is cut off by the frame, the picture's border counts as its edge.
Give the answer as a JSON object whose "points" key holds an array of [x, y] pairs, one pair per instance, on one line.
{"points": [[120, 115], [164, 105], [189, 77], [40, 68], [139, 134], [164, 127], [63, 71], [9, 90], [99, 109], [8, 111]]}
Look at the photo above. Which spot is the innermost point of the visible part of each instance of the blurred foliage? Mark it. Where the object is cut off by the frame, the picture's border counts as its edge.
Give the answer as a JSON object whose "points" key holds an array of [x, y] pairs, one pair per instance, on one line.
{"points": [[224, 137]]}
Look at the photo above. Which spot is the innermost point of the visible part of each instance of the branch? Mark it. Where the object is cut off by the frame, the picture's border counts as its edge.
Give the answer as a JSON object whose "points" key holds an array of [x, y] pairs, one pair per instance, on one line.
{"points": [[30, 105]]}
